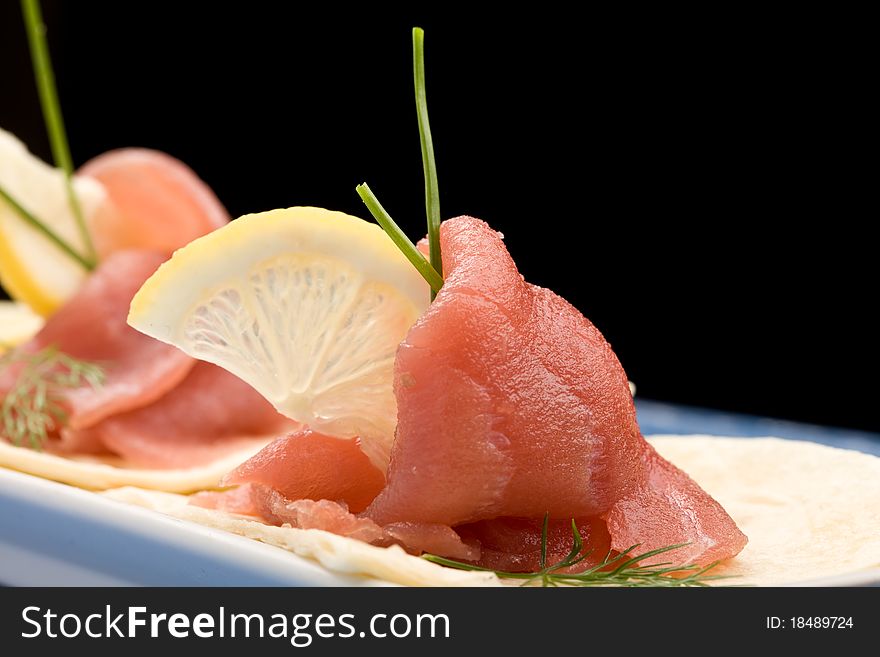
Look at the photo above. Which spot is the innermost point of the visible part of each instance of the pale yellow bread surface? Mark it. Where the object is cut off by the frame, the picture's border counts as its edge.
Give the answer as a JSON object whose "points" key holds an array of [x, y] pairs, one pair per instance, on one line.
{"points": [[810, 512], [100, 473]]}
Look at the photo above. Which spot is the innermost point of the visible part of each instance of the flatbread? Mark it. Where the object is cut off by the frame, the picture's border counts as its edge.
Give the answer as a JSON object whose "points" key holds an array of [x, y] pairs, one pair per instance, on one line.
{"points": [[810, 512], [336, 553], [100, 473]]}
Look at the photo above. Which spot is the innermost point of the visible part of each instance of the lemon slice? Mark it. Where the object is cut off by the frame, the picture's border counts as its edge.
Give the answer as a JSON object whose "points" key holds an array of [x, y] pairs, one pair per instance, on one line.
{"points": [[32, 268], [18, 323], [306, 305]]}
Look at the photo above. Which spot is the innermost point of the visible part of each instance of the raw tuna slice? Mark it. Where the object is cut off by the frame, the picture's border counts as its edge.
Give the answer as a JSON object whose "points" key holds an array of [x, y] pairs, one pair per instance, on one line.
{"points": [[92, 326], [311, 465], [433, 538], [245, 500], [512, 404], [156, 202], [514, 544], [269, 505], [668, 508], [210, 414]]}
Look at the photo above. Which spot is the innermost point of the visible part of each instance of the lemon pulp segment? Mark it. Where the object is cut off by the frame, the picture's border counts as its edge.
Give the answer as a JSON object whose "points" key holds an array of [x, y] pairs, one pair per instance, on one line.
{"points": [[306, 305]]}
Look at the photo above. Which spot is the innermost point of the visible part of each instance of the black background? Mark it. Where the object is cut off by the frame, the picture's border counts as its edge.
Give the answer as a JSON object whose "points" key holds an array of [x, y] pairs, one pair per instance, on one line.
{"points": [[692, 182]]}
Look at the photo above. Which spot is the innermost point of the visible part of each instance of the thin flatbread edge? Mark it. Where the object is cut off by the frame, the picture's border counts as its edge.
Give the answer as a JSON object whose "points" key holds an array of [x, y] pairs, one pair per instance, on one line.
{"points": [[810, 512], [99, 473]]}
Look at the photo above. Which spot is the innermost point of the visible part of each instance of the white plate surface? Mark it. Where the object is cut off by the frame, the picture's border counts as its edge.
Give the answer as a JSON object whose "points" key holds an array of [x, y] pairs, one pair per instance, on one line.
{"points": [[52, 534]]}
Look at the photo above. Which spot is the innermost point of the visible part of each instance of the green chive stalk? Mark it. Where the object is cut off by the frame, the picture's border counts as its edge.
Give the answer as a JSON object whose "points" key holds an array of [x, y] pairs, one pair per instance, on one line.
{"points": [[399, 238], [36, 33], [43, 228], [432, 194]]}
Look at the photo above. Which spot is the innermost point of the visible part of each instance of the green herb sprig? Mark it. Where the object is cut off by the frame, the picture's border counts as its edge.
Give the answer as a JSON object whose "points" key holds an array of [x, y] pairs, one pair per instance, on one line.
{"points": [[431, 270], [432, 194], [32, 408], [399, 238], [622, 569], [45, 78]]}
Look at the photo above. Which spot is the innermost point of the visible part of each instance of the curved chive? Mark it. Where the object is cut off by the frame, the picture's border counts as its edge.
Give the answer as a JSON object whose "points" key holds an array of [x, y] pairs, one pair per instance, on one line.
{"points": [[399, 238], [36, 33], [432, 195], [43, 228]]}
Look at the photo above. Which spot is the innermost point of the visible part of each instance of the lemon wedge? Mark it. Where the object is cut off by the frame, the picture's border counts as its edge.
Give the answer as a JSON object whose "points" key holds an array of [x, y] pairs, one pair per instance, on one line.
{"points": [[32, 268], [18, 323], [306, 305]]}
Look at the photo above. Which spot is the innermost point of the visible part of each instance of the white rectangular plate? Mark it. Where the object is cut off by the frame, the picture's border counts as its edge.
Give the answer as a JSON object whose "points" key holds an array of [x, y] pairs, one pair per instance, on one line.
{"points": [[52, 534]]}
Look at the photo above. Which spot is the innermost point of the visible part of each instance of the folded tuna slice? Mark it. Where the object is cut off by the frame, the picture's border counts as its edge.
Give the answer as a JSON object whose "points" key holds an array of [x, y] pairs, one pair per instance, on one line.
{"points": [[210, 414], [511, 405], [155, 202], [157, 408], [310, 465], [91, 326]]}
